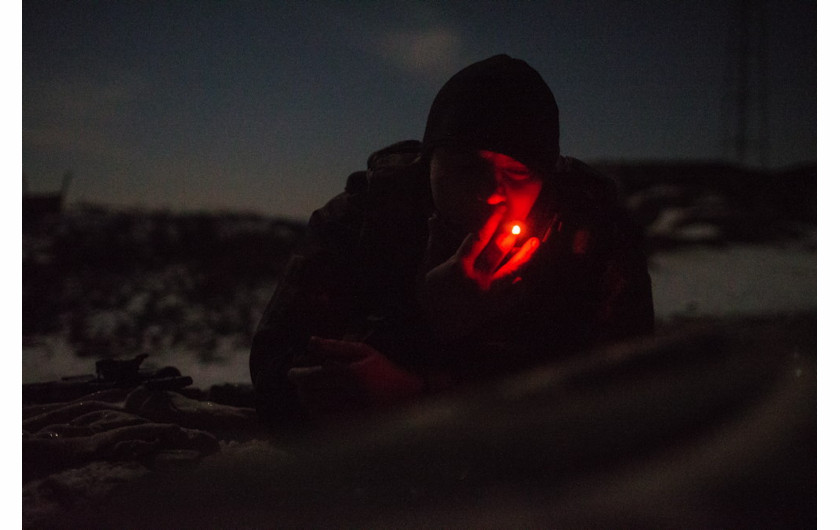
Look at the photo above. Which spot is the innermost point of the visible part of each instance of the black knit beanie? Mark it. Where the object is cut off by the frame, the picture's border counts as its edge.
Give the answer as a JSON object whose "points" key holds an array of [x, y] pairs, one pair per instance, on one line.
{"points": [[500, 104]]}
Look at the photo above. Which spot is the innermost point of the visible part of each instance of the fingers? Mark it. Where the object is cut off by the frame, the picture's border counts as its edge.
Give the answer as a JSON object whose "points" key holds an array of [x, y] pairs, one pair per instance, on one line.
{"points": [[484, 236], [522, 256], [320, 350], [492, 223], [481, 253], [495, 253], [303, 373], [505, 241], [324, 391]]}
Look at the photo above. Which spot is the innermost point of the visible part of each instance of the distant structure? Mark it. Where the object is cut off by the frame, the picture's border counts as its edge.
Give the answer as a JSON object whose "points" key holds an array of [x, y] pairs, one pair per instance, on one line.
{"points": [[37, 207], [745, 91]]}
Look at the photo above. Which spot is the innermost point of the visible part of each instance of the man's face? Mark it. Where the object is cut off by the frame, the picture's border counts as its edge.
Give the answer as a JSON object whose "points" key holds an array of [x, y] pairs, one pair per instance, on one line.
{"points": [[468, 185]]}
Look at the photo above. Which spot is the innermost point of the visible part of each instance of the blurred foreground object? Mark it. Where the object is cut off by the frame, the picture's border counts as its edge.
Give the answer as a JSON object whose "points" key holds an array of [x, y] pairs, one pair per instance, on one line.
{"points": [[110, 374], [708, 427]]}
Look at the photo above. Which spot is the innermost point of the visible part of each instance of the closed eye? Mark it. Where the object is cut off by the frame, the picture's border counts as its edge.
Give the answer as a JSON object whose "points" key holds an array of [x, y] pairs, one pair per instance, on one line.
{"points": [[518, 175]]}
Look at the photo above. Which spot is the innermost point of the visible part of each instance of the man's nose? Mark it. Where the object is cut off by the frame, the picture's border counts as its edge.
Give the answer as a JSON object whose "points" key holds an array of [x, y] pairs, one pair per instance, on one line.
{"points": [[498, 196]]}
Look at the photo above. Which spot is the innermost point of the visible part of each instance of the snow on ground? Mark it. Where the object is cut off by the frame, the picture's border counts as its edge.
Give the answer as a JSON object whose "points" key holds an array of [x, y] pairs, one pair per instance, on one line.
{"points": [[52, 359], [693, 282], [744, 280]]}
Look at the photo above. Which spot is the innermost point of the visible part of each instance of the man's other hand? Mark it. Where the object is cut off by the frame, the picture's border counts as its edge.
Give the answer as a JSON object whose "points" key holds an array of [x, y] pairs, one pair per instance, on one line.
{"points": [[344, 376]]}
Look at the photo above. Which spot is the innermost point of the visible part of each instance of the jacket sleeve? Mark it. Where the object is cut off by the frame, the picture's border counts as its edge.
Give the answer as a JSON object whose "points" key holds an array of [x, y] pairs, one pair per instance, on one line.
{"points": [[310, 299], [623, 298]]}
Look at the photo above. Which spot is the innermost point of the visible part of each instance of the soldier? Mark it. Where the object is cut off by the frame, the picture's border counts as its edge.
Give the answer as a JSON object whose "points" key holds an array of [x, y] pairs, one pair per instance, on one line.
{"points": [[472, 254]]}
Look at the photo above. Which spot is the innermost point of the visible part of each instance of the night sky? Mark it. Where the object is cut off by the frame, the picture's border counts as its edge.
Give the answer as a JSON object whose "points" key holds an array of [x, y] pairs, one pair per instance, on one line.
{"points": [[268, 106]]}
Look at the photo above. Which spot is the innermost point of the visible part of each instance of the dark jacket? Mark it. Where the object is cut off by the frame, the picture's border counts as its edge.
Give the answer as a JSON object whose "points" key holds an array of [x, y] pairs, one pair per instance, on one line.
{"points": [[355, 278]]}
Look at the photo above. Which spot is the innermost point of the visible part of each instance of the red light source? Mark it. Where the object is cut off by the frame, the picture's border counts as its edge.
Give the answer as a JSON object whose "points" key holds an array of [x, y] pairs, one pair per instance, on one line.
{"points": [[515, 230]]}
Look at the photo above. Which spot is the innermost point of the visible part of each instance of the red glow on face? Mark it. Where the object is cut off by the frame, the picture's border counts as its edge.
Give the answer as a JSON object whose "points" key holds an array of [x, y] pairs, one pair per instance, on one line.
{"points": [[516, 230]]}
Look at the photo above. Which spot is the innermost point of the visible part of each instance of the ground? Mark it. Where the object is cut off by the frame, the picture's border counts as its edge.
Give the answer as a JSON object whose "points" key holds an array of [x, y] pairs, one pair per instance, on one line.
{"points": [[713, 423]]}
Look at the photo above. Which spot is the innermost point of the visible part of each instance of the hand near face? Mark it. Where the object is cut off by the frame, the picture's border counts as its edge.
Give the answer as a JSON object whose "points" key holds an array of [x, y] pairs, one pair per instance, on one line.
{"points": [[481, 254], [471, 286]]}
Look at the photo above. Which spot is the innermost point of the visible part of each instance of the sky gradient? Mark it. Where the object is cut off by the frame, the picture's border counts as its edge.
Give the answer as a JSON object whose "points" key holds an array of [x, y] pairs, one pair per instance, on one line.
{"points": [[268, 106]]}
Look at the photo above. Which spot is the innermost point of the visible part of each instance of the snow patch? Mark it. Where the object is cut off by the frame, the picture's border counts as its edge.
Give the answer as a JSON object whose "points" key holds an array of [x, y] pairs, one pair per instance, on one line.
{"points": [[744, 280]]}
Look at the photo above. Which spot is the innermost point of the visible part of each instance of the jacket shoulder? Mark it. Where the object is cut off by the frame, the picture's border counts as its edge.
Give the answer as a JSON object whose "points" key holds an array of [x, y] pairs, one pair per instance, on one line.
{"points": [[386, 160], [596, 185], [394, 178], [397, 154], [593, 197]]}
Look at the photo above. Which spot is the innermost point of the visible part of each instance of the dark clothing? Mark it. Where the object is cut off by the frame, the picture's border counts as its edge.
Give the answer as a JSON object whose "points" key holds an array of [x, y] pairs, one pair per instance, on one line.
{"points": [[356, 277]]}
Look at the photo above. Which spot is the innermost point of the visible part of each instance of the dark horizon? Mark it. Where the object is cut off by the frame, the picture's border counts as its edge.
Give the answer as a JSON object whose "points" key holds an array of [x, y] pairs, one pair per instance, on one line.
{"points": [[253, 107]]}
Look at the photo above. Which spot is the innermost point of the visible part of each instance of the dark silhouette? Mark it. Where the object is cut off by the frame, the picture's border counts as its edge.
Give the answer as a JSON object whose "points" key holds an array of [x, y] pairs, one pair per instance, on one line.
{"points": [[475, 253], [38, 207]]}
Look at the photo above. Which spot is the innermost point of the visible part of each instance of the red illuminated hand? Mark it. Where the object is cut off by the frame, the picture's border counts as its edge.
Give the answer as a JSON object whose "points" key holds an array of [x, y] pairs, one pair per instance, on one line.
{"points": [[346, 376], [469, 288], [481, 254]]}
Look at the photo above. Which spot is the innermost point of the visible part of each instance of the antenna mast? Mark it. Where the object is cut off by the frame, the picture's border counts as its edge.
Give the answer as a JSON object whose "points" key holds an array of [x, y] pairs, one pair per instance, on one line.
{"points": [[745, 93]]}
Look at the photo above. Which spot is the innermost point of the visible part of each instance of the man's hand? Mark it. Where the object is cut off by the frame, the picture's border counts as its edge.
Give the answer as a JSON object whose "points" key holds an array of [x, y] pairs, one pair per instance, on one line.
{"points": [[346, 376], [481, 254], [471, 286]]}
